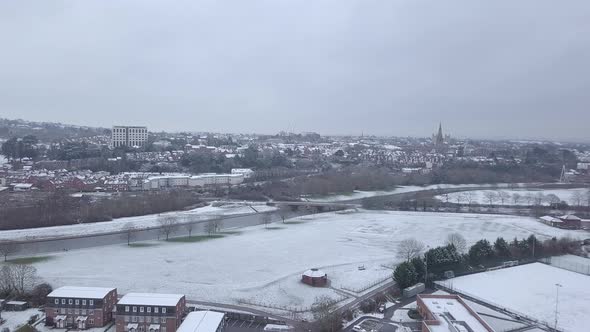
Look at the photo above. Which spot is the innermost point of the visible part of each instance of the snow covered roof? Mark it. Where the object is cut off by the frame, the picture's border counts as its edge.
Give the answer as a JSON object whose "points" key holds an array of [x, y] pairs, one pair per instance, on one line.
{"points": [[169, 300], [550, 219], [314, 273], [201, 321], [452, 314], [81, 292], [569, 217]]}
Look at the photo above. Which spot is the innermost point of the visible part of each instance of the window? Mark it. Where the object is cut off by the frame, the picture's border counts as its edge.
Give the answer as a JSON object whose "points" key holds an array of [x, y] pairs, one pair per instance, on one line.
{"points": [[83, 312], [63, 311], [148, 319], [76, 312], [126, 319], [77, 302], [163, 329], [126, 308], [91, 321], [56, 301], [156, 320], [163, 320], [156, 310], [134, 309], [149, 309], [141, 319], [91, 302], [83, 302], [70, 301], [140, 309], [134, 319], [163, 310], [69, 311], [63, 301]]}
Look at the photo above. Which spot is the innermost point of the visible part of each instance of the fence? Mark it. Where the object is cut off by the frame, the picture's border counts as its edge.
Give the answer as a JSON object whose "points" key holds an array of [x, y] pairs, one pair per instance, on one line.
{"points": [[292, 309], [448, 287], [567, 264], [366, 286]]}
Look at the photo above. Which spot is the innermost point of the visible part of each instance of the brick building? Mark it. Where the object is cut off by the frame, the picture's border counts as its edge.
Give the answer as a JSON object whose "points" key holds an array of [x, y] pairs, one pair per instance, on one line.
{"points": [[150, 312], [80, 307]]}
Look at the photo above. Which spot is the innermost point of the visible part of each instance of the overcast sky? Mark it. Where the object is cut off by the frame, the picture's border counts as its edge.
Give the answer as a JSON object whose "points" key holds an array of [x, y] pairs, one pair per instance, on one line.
{"points": [[493, 69]]}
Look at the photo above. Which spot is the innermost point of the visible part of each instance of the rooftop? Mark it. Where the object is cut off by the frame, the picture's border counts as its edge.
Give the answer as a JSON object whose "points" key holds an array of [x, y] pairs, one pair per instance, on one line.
{"points": [[450, 311], [169, 300], [81, 292], [201, 321]]}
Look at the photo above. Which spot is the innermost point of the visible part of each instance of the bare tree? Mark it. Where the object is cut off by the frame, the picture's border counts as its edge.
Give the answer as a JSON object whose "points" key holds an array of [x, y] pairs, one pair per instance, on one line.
{"points": [[459, 197], [458, 241], [588, 198], [539, 198], [24, 276], [189, 228], [503, 196], [446, 197], [325, 314], [469, 196], [266, 219], [529, 198], [516, 198], [409, 248], [552, 199], [490, 197], [213, 226], [6, 279], [168, 225], [130, 232], [218, 225], [7, 248], [576, 198]]}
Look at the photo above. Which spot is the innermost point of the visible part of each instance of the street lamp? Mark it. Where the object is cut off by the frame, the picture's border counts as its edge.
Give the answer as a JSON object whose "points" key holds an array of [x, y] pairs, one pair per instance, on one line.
{"points": [[426, 267], [557, 287]]}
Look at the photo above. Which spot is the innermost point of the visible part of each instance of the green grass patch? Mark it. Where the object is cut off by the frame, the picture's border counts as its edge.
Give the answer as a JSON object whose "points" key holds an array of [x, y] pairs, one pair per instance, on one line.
{"points": [[142, 245], [231, 232], [29, 260], [196, 238]]}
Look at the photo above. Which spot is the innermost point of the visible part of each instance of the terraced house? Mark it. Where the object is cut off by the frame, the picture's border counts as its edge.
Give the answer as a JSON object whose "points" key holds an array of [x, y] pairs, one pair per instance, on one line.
{"points": [[150, 312], [80, 307]]}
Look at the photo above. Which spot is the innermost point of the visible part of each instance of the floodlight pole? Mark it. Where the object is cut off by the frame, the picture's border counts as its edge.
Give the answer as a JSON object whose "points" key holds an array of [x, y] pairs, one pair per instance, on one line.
{"points": [[557, 286]]}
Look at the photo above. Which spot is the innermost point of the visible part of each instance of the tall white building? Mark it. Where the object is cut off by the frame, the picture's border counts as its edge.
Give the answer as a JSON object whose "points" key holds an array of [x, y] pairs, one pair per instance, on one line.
{"points": [[128, 136]]}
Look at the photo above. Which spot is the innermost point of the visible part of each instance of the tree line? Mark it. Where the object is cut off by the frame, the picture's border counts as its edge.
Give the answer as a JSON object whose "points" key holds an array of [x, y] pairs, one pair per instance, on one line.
{"points": [[457, 257], [60, 208]]}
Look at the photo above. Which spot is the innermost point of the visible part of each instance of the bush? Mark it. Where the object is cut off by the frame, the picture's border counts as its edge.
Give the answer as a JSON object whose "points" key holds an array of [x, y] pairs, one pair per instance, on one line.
{"points": [[368, 306], [405, 275]]}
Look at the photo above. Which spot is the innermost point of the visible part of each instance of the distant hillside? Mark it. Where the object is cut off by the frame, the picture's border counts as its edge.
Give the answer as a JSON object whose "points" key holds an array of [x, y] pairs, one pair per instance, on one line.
{"points": [[46, 131]]}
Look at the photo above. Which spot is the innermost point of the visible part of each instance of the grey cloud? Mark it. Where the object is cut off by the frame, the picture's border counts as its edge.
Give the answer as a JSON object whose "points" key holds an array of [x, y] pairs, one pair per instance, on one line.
{"points": [[483, 68]]}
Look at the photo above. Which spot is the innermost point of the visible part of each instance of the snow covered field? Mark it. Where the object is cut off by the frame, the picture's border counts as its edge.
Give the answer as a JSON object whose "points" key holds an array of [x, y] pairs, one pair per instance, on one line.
{"points": [[530, 289], [140, 222], [526, 196], [358, 194], [264, 265]]}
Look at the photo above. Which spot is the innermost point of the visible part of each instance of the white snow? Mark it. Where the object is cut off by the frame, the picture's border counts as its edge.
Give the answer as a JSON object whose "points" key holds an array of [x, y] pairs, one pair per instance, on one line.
{"points": [[531, 289], [81, 292], [201, 321], [479, 196], [15, 319], [139, 222], [358, 194], [155, 299], [263, 265]]}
